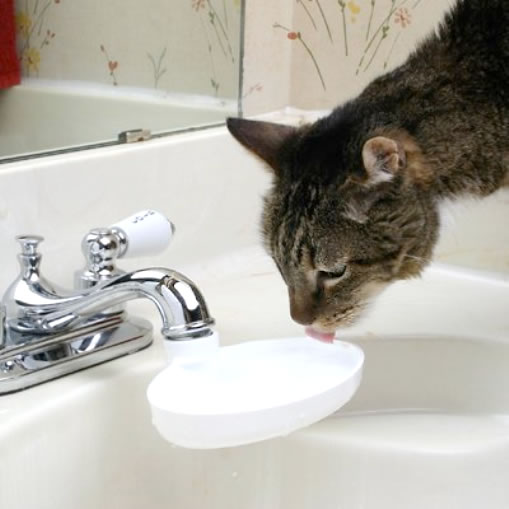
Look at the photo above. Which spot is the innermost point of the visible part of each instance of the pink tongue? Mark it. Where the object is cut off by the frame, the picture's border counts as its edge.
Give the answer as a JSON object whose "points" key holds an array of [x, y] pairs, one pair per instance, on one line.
{"points": [[326, 337]]}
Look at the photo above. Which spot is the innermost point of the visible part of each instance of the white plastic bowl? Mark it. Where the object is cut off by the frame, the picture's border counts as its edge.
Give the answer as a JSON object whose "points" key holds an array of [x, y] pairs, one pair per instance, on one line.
{"points": [[253, 391]]}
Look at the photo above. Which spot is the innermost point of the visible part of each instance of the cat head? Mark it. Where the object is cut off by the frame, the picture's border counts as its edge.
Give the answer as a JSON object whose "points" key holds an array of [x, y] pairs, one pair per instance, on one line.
{"points": [[348, 213]]}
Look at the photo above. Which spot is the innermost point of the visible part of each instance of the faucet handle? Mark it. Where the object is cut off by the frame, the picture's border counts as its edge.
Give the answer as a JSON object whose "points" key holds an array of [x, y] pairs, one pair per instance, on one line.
{"points": [[145, 233], [29, 244]]}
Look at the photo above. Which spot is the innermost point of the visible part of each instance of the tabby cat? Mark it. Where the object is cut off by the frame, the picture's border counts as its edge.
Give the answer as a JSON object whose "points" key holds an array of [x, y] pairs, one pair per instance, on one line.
{"points": [[356, 195]]}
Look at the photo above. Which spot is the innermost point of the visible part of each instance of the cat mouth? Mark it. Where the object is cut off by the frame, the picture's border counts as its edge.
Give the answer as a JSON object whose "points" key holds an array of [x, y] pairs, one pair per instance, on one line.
{"points": [[325, 337], [326, 332]]}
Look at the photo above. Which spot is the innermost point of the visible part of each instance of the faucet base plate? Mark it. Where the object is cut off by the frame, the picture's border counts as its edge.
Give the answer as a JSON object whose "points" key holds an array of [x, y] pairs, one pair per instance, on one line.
{"points": [[67, 353]]}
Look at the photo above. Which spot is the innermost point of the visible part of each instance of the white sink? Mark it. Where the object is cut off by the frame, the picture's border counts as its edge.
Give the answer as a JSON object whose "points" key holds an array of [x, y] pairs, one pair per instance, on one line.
{"points": [[428, 428]]}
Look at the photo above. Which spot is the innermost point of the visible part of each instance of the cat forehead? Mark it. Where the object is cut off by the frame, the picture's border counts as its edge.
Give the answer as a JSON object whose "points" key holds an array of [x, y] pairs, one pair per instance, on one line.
{"points": [[322, 239], [322, 210]]}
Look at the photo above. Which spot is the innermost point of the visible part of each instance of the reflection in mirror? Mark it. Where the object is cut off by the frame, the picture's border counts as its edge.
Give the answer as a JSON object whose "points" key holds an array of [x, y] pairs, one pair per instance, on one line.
{"points": [[92, 70]]}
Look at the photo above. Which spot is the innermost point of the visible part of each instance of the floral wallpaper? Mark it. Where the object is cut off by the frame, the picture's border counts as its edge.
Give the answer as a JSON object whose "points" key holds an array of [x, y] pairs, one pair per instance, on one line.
{"points": [[374, 37], [188, 46], [336, 46], [310, 54], [33, 34]]}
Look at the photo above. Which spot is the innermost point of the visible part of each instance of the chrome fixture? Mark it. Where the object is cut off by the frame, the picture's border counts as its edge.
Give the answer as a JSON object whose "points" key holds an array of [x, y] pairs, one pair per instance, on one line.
{"points": [[46, 332]]}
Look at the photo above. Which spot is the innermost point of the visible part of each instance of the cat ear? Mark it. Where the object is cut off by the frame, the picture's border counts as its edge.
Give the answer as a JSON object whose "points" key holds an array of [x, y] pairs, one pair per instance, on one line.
{"points": [[382, 158], [264, 139]]}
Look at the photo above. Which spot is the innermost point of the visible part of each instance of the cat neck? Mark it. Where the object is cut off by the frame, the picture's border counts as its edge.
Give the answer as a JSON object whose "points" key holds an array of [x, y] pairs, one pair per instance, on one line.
{"points": [[472, 175]]}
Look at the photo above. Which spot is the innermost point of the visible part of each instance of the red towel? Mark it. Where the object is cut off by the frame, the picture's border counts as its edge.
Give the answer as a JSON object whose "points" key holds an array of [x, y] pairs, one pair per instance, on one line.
{"points": [[9, 64]]}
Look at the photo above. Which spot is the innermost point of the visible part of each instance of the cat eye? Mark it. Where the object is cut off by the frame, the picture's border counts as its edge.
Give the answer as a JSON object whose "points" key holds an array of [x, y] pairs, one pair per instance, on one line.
{"points": [[337, 273]]}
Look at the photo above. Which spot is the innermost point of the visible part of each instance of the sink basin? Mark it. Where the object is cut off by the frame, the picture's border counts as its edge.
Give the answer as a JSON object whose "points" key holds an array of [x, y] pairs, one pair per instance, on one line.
{"points": [[428, 427]]}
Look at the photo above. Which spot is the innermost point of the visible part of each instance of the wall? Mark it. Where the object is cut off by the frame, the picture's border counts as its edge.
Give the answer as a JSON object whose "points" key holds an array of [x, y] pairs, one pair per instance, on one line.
{"points": [[314, 54], [189, 46]]}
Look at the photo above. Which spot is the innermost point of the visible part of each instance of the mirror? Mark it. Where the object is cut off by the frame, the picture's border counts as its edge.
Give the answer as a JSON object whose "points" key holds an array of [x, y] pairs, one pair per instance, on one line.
{"points": [[93, 70]]}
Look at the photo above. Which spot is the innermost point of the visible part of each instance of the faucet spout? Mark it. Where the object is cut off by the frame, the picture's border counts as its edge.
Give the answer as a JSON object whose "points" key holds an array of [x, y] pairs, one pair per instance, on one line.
{"points": [[182, 308]]}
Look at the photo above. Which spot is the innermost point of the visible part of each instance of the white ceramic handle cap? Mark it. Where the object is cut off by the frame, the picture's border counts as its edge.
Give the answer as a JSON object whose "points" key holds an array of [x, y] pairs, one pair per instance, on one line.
{"points": [[147, 232]]}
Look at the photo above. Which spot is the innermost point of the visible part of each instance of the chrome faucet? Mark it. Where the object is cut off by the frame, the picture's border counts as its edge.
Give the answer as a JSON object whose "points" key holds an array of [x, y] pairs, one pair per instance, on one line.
{"points": [[46, 332]]}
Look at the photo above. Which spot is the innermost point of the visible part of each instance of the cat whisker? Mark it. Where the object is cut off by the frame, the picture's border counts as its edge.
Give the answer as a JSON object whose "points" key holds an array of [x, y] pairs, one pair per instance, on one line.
{"points": [[418, 258]]}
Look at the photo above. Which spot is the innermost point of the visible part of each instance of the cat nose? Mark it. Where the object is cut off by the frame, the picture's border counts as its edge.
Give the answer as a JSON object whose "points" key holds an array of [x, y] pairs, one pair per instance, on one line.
{"points": [[301, 311]]}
